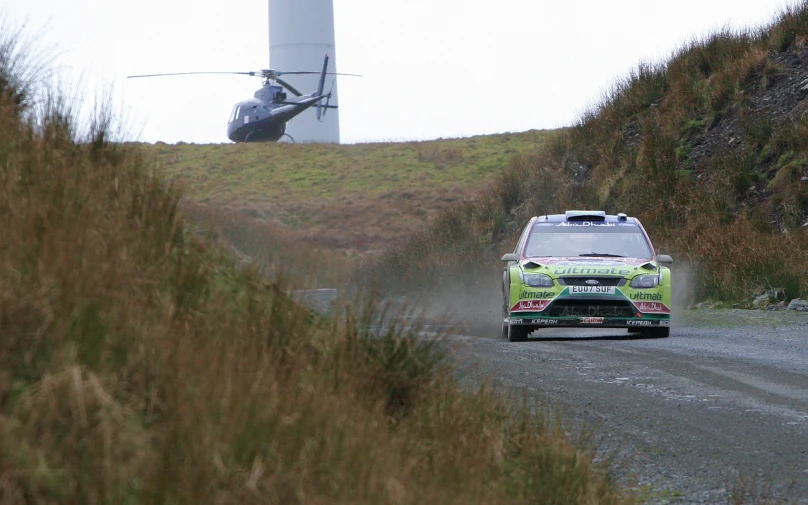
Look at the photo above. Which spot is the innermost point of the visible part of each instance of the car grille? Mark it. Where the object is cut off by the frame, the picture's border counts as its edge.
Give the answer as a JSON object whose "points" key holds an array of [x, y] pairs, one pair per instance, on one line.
{"points": [[602, 281], [591, 308]]}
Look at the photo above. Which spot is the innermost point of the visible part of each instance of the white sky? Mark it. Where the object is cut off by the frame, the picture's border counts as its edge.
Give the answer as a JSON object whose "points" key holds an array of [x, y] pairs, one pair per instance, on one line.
{"points": [[432, 68]]}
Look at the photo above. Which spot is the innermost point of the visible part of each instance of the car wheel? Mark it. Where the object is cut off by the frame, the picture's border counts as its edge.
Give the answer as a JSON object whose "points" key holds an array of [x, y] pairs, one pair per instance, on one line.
{"points": [[655, 332], [518, 333], [505, 317]]}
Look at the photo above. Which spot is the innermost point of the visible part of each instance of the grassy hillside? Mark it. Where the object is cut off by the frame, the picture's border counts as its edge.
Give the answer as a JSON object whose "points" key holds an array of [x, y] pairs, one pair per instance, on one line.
{"points": [[139, 364], [709, 150], [356, 198]]}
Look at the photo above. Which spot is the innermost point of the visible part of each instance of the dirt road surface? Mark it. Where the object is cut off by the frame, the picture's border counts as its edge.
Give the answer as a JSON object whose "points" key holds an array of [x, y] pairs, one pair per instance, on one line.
{"points": [[726, 395]]}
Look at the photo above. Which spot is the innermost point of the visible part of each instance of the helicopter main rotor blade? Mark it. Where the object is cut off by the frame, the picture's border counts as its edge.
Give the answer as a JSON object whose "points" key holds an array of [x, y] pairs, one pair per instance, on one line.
{"points": [[298, 103], [288, 86], [193, 73], [318, 73], [272, 74]]}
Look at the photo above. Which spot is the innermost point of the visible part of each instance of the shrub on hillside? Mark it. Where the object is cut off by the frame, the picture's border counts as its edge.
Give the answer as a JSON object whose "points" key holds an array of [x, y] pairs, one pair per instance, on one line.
{"points": [[714, 171]]}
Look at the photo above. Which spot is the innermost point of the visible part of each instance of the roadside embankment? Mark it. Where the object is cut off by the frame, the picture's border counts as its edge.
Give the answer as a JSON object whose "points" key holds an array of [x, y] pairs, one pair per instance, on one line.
{"points": [[139, 363]]}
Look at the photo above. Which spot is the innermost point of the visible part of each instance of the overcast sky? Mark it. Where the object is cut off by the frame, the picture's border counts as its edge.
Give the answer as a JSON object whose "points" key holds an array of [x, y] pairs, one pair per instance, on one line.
{"points": [[432, 68]]}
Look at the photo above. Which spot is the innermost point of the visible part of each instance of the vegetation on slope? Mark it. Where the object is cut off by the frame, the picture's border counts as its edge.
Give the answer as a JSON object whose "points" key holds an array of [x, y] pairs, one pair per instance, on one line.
{"points": [[138, 364], [709, 150], [355, 198]]}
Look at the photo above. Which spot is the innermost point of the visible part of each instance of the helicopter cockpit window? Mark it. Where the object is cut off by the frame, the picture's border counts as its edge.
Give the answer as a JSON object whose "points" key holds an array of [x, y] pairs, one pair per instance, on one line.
{"points": [[234, 114]]}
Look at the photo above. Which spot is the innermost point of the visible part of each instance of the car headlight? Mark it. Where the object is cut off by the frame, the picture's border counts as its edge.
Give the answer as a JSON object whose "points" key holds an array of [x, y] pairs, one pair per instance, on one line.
{"points": [[537, 280], [645, 281]]}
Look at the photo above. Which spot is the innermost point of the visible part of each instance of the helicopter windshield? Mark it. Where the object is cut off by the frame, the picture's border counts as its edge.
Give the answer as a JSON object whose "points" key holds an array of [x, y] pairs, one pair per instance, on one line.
{"points": [[234, 114]]}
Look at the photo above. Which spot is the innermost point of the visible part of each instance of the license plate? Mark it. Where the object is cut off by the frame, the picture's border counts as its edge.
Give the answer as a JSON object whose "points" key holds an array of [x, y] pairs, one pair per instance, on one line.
{"points": [[592, 290]]}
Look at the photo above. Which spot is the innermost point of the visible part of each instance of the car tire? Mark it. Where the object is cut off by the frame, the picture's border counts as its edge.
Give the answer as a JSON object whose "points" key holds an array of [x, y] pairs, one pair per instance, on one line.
{"points": [[655, 332], [505, 317], [518, 333]]}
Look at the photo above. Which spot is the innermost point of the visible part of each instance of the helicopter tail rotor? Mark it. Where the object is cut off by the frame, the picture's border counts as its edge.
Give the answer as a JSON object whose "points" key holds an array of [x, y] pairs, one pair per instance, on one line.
{"points": [[328, 98], [322, 109], [321, 85]]}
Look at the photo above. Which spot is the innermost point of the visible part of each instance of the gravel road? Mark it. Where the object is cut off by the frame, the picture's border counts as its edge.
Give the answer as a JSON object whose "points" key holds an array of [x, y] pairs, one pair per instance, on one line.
{"points": [[725, 395]]}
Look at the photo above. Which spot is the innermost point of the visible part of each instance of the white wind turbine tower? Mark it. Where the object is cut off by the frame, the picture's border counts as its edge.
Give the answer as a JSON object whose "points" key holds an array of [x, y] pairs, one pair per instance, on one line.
{"points": [[301, 33]]}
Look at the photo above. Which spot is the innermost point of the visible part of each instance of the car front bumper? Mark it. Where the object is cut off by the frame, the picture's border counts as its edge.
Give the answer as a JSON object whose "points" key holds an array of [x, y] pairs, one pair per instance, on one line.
{"points": [[615, 310], [590, 321]]}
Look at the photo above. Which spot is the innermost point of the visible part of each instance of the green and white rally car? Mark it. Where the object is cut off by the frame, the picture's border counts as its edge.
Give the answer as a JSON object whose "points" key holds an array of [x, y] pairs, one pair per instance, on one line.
{"points": [[585, 269]]}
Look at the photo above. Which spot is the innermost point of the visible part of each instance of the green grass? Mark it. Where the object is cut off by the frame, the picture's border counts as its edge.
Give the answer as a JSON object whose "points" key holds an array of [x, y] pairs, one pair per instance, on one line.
{"points": [[251, 172], [357, 198]]}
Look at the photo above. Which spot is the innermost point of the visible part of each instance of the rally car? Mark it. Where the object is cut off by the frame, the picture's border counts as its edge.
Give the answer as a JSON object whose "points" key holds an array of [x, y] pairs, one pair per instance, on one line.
{"points": [[585, 269]]}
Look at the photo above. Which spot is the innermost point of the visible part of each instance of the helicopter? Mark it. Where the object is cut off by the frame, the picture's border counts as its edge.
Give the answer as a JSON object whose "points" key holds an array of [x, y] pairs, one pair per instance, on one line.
{"points": [[264, 117]]}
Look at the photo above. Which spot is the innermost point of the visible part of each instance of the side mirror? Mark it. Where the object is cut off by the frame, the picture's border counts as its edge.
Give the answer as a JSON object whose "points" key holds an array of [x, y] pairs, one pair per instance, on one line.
{"points": [[664, 258], [510, 257]]}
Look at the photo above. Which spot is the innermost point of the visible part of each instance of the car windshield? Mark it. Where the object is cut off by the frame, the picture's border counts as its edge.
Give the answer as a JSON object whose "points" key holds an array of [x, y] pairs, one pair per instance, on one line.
{"points": [[570, 244]]}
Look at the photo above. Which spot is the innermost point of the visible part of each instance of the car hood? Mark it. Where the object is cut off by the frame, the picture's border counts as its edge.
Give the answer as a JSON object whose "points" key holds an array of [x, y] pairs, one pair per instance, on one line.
{"points": [[557, 266]]}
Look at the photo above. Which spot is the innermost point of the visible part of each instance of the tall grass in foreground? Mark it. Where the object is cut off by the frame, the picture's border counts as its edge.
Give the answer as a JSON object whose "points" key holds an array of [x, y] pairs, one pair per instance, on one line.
{"points": [[737, 211], [139, 364]]}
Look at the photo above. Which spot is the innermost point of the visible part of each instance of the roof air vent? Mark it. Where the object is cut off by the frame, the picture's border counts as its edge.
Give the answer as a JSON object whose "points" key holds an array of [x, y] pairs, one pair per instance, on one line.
{"points": [[622, 217], [585, 215]]}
